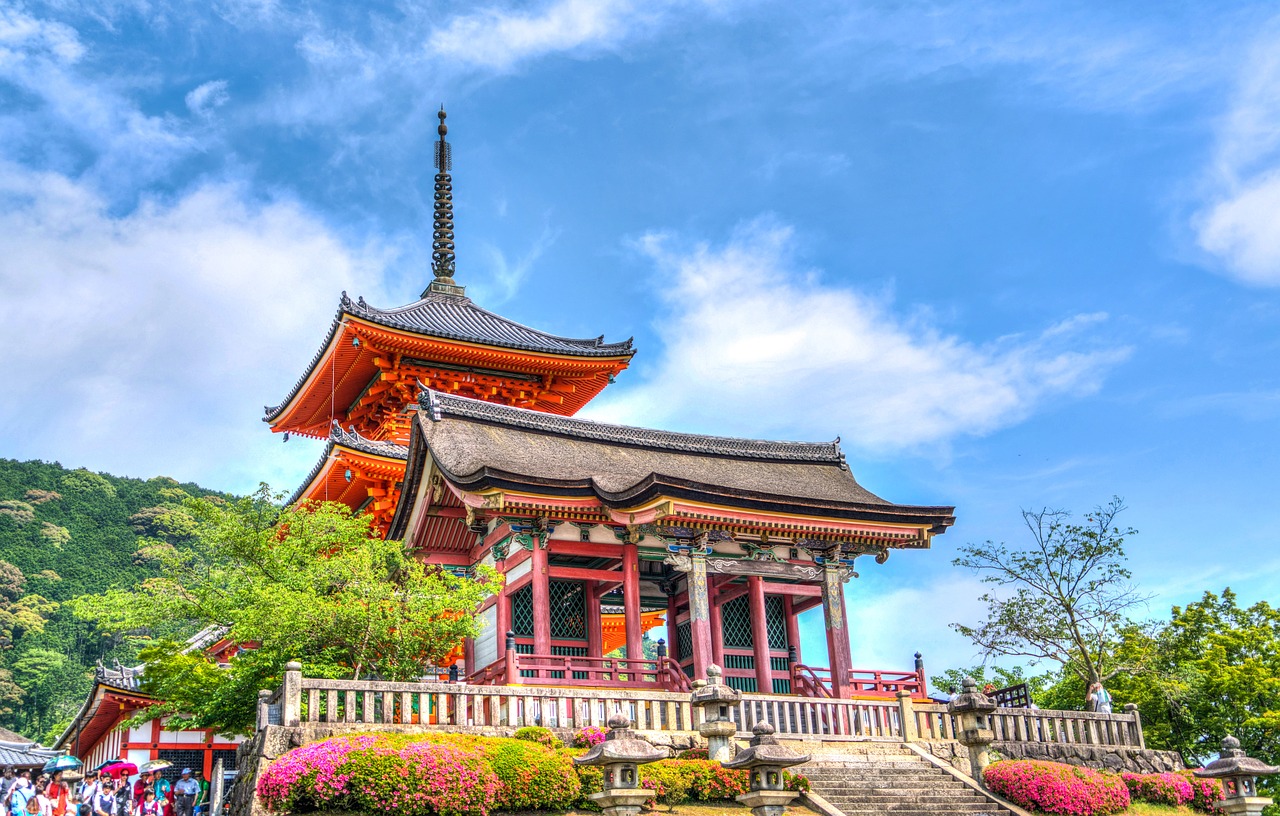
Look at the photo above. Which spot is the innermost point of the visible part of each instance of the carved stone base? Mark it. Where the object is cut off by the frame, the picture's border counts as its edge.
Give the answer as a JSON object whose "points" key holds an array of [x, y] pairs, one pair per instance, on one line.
{"points": [[1246, 806], [768, 803], [621, 801]]}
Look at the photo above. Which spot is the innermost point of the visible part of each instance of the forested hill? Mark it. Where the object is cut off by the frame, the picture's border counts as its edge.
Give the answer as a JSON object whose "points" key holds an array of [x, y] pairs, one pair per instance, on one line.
{"points": [[65, 533]]}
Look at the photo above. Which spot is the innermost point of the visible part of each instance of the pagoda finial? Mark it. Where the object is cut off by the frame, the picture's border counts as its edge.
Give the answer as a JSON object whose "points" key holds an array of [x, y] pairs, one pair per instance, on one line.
{"points": [[442, 250]]}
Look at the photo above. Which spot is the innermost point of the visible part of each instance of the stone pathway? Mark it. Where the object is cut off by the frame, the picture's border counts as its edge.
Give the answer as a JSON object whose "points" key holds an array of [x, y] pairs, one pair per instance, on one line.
{"points": [[880, 783]]}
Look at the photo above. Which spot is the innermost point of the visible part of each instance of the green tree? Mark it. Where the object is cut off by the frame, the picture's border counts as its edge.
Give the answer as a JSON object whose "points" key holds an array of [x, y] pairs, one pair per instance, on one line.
{"points": [[1217, 672], [1065, 596], [312, 583]]}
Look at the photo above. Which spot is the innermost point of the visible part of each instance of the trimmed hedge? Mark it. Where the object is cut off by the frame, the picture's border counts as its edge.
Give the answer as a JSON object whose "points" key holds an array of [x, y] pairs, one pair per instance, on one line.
{"points": [[421, 775], [1052, 787], [538, 734]]}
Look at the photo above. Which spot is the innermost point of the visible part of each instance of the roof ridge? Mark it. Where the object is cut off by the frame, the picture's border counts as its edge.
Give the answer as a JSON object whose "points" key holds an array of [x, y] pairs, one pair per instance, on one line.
{"points": [[349, 439], [436, 405]]}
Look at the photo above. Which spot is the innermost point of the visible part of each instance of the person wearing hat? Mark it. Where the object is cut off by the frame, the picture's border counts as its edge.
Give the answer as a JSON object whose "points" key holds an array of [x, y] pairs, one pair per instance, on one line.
{"points": [[185, 791]]}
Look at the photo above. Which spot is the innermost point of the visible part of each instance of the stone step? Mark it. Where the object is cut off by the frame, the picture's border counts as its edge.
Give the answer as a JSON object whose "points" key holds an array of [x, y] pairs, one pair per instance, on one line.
{"points": [[893, 784]]}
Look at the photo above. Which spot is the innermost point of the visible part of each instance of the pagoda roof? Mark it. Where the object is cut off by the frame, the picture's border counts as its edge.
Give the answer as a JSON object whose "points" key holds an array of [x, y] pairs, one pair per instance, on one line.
{"points": [[353, 441], [454, 317], [484, 447]]}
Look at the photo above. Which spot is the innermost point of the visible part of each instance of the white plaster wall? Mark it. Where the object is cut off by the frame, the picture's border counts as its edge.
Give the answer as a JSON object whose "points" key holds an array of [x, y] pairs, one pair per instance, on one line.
{"points": [[487, 642], [519, 571]]}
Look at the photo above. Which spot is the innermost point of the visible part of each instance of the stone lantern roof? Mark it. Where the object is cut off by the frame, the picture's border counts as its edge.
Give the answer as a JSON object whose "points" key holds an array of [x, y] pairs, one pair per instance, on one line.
{"points": [[971, 700], [765, 750], [621, 745], [713, 691], [1233, 762]]}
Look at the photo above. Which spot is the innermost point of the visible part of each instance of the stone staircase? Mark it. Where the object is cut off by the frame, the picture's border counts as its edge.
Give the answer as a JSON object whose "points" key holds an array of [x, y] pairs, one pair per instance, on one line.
{"points": [[892, 781]]}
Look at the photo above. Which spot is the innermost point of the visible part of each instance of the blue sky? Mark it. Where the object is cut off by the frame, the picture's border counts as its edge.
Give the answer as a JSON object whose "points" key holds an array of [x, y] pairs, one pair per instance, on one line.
{"points": [[1015, 254]]}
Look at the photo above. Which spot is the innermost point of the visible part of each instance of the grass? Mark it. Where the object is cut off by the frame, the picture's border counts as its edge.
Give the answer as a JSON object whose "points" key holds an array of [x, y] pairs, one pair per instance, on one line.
{"points": [[1145, 809]]}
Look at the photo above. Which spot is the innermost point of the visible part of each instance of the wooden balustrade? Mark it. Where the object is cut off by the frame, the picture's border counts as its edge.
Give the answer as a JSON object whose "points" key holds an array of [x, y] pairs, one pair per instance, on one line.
{"points": [[1039, 725], [366, 703]]}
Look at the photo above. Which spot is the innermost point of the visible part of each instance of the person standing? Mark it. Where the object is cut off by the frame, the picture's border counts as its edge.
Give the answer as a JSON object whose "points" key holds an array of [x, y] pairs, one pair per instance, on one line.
{"points": [[104, 800], [21, 793], [6, 784], [202, 798], [1099, 700], [185, 791]]}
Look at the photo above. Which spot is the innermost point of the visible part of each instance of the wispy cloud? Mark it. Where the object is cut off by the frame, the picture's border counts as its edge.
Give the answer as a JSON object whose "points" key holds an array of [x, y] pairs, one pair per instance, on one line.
{"points": [[755, 344], [178, 318], [505, 276], [202, 99]]}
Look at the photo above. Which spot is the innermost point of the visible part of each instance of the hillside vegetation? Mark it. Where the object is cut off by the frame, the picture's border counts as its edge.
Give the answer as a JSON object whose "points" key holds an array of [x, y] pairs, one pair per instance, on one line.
{"points": [[66, 533]]}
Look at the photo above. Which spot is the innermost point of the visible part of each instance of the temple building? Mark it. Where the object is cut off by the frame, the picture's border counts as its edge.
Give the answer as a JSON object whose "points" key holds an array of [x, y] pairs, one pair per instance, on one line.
{"points": [[454, 429]]}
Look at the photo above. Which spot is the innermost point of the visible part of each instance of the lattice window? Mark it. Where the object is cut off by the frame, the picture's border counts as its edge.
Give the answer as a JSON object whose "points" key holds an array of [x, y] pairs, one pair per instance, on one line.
{"points": [[180, 759], [568, 610], [522, 611], [228, 758], [781, 685], [747, 684], [735, 622], [684, 639], [775, 620]]}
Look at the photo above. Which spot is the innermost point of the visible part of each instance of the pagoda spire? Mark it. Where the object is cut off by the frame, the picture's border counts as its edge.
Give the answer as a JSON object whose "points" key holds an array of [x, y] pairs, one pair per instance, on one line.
{"points": [[442, 249]]}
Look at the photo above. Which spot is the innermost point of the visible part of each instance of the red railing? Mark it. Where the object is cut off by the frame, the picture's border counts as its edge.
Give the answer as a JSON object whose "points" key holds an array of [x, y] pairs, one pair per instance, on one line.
{"points": [[562, 670], [814, 681]]}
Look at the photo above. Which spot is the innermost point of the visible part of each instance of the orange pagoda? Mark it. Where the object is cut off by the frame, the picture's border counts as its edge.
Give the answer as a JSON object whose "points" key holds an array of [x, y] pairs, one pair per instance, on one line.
{"points": [[454, 429]]}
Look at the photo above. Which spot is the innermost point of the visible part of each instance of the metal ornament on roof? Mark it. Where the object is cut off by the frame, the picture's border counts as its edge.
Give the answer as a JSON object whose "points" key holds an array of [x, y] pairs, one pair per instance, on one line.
{"points": [[442, 248]]}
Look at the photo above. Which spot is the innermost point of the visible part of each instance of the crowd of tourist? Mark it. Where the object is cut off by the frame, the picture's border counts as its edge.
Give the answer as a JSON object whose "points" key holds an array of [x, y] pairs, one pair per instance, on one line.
{"points": [[101, 794]]}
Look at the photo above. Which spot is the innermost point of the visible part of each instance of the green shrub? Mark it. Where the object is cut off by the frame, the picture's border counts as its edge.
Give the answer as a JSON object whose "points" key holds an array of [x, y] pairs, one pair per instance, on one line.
{"points": [[530, 776], [542, 736], [693, 753]]}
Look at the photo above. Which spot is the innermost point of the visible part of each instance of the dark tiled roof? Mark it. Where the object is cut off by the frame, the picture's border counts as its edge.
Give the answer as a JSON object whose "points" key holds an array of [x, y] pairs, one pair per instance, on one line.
{"points": [[353, 440], [453, 317], [25, 754], [480, 445], [457, 318], [824, 452]]}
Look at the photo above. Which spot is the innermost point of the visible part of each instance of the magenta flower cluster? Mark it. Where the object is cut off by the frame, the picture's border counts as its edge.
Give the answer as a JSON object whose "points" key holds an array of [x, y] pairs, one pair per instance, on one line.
{"points": [[1052, 787], [1159, 789], [374, 774], [589, 736]]}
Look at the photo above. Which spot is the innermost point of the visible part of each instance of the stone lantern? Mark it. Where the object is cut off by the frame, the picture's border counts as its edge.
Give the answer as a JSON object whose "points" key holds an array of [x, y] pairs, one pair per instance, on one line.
{"points": [[619, 757], [764, 759], [715, 699], [972, 710], [1239, 775]]}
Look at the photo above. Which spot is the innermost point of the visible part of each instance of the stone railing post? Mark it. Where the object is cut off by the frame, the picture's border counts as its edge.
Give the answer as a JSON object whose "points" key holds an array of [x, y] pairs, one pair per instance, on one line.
{"points": [[907, 716], [1136, 725], [291, 695], [972, 710], [264, 707]]}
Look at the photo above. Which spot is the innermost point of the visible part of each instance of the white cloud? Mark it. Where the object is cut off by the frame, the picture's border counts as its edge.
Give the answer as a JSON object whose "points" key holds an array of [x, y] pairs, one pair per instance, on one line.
{"points": [[1240, 223], [202, 99], [754, 345], [505, 276], [498, 39], [148, 344]]}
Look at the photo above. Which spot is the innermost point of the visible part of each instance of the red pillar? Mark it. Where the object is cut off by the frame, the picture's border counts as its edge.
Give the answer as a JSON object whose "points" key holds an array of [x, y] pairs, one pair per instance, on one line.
{"points": [[837, 630], [717, 632], [541, 602], [760, 635], [504, 619], [595, 637], [793, 625], [631, 599], [673, 638]]}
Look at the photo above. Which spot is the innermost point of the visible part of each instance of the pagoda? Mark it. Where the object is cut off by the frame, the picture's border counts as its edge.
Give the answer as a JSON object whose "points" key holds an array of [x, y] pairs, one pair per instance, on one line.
{"points": [[454, 429], [360, 390]]}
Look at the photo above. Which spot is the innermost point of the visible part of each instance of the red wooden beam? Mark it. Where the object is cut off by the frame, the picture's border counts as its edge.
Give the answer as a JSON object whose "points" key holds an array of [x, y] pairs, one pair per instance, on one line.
{"points": [[583, 574], [447, 559], [807, 604], [500, 532], [807, 590], [723, 596], [585, 548]]}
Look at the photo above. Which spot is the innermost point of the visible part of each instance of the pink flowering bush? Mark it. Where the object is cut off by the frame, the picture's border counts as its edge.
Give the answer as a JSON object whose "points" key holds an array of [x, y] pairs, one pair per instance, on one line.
{"points": [[589, 736], [1204, 792], [1158, 789], [1053, 787]]}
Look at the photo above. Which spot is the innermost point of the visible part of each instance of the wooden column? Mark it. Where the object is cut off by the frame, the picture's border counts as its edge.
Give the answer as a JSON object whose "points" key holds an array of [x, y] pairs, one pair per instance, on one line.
{"points": [[700, 630], [717, 635], [631, 599], [541, 601], [595, 637], [837, 629], [793, 626], [760, 634], [673, 635]]}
